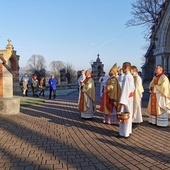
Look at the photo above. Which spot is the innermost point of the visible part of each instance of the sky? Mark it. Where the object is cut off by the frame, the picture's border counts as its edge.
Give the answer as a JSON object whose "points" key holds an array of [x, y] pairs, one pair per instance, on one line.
{"points": [[72, 31]]}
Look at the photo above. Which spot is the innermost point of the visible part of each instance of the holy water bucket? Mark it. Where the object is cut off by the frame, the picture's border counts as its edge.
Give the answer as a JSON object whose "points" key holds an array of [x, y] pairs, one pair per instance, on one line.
{"points": [[123, 116]]}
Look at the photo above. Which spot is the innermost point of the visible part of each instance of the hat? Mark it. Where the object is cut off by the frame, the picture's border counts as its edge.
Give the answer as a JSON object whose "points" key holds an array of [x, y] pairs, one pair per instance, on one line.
{"points": [[114, 68]]}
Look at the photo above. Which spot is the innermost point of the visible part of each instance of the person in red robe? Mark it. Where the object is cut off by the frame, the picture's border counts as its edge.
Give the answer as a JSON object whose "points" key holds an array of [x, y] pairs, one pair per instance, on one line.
{"points": [[110, 98]]}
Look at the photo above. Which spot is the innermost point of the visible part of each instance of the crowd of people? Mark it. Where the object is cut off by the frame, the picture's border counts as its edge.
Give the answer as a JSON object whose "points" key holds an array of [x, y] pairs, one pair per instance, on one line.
{"points": [[38, 86], [121, 93]]}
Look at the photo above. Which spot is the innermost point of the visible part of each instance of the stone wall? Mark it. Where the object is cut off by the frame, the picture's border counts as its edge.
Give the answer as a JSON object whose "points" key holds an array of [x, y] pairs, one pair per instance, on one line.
{"points": [[1, 79], [9, 105], [7, 83]]}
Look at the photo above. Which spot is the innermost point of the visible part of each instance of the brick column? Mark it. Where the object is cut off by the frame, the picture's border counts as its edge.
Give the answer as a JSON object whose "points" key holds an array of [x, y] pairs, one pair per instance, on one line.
{"points": [[1, 80]]}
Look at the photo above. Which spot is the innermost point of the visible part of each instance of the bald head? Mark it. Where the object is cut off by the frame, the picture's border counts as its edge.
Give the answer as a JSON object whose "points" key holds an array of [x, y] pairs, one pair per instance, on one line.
{"points": [[88, 73]]}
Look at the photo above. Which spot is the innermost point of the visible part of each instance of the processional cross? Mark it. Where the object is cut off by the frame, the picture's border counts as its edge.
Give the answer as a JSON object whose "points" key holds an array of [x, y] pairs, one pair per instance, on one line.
{"points": [[9, 41]]}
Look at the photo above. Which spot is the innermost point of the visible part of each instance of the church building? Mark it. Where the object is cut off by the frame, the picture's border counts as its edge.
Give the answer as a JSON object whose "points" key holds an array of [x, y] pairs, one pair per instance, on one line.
{"points": [[10, 58], [97, 68], [158, 52]]}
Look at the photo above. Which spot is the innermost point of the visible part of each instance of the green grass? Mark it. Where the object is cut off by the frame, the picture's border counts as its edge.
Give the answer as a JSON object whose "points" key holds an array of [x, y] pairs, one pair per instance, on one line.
{"points": [[25, 101]]}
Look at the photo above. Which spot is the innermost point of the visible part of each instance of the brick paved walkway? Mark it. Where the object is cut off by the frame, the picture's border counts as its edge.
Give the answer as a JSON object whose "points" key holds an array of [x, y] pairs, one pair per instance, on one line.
{"points": [[53, 136]]}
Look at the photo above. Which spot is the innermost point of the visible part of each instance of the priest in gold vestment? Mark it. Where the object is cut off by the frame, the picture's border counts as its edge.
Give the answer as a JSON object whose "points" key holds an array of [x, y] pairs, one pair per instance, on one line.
{"points": [[110, 98], [159, 102], [87, 102]]}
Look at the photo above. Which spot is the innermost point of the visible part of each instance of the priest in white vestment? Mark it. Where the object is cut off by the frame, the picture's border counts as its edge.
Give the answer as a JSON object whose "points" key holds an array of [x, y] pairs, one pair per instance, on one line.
{"points": [[137, 96], [79, 81], [120, 76], [126, 100], [159, 101], [102, 80]]}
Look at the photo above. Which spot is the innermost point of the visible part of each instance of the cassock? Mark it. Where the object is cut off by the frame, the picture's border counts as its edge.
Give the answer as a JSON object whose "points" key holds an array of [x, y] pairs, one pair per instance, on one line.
{"points": [[87, 105], [126, 99], [159, 101], [137, 96]]}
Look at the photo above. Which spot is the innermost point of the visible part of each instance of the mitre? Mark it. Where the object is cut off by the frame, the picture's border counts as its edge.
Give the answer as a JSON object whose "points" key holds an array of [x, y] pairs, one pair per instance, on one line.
{"points": [[115, 68]]}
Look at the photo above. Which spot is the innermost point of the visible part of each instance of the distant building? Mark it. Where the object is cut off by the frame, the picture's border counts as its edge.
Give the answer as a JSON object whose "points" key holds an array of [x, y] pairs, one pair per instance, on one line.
{"points": [[159, 49], [97, 69]]}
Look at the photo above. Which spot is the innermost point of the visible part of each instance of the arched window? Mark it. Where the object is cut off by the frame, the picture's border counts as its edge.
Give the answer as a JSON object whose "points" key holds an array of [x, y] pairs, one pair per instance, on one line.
{"points": [[99, 71]]}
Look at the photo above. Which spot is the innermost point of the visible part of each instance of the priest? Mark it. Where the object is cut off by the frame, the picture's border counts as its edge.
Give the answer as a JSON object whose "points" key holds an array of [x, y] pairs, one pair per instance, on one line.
{"points": [[126, 100], [87, 102], [110, 98], [159, 102]]}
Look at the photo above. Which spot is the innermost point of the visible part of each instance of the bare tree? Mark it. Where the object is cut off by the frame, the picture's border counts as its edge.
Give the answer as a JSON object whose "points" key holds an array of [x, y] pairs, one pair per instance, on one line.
{"points": [[56, 66], [144, 12], [71, 73], [36, 62]]}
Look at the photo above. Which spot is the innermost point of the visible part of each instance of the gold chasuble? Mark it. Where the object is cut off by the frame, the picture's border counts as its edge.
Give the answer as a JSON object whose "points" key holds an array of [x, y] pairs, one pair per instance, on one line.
{"points": [[88, 91], [111, 98], [159, 101]]}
